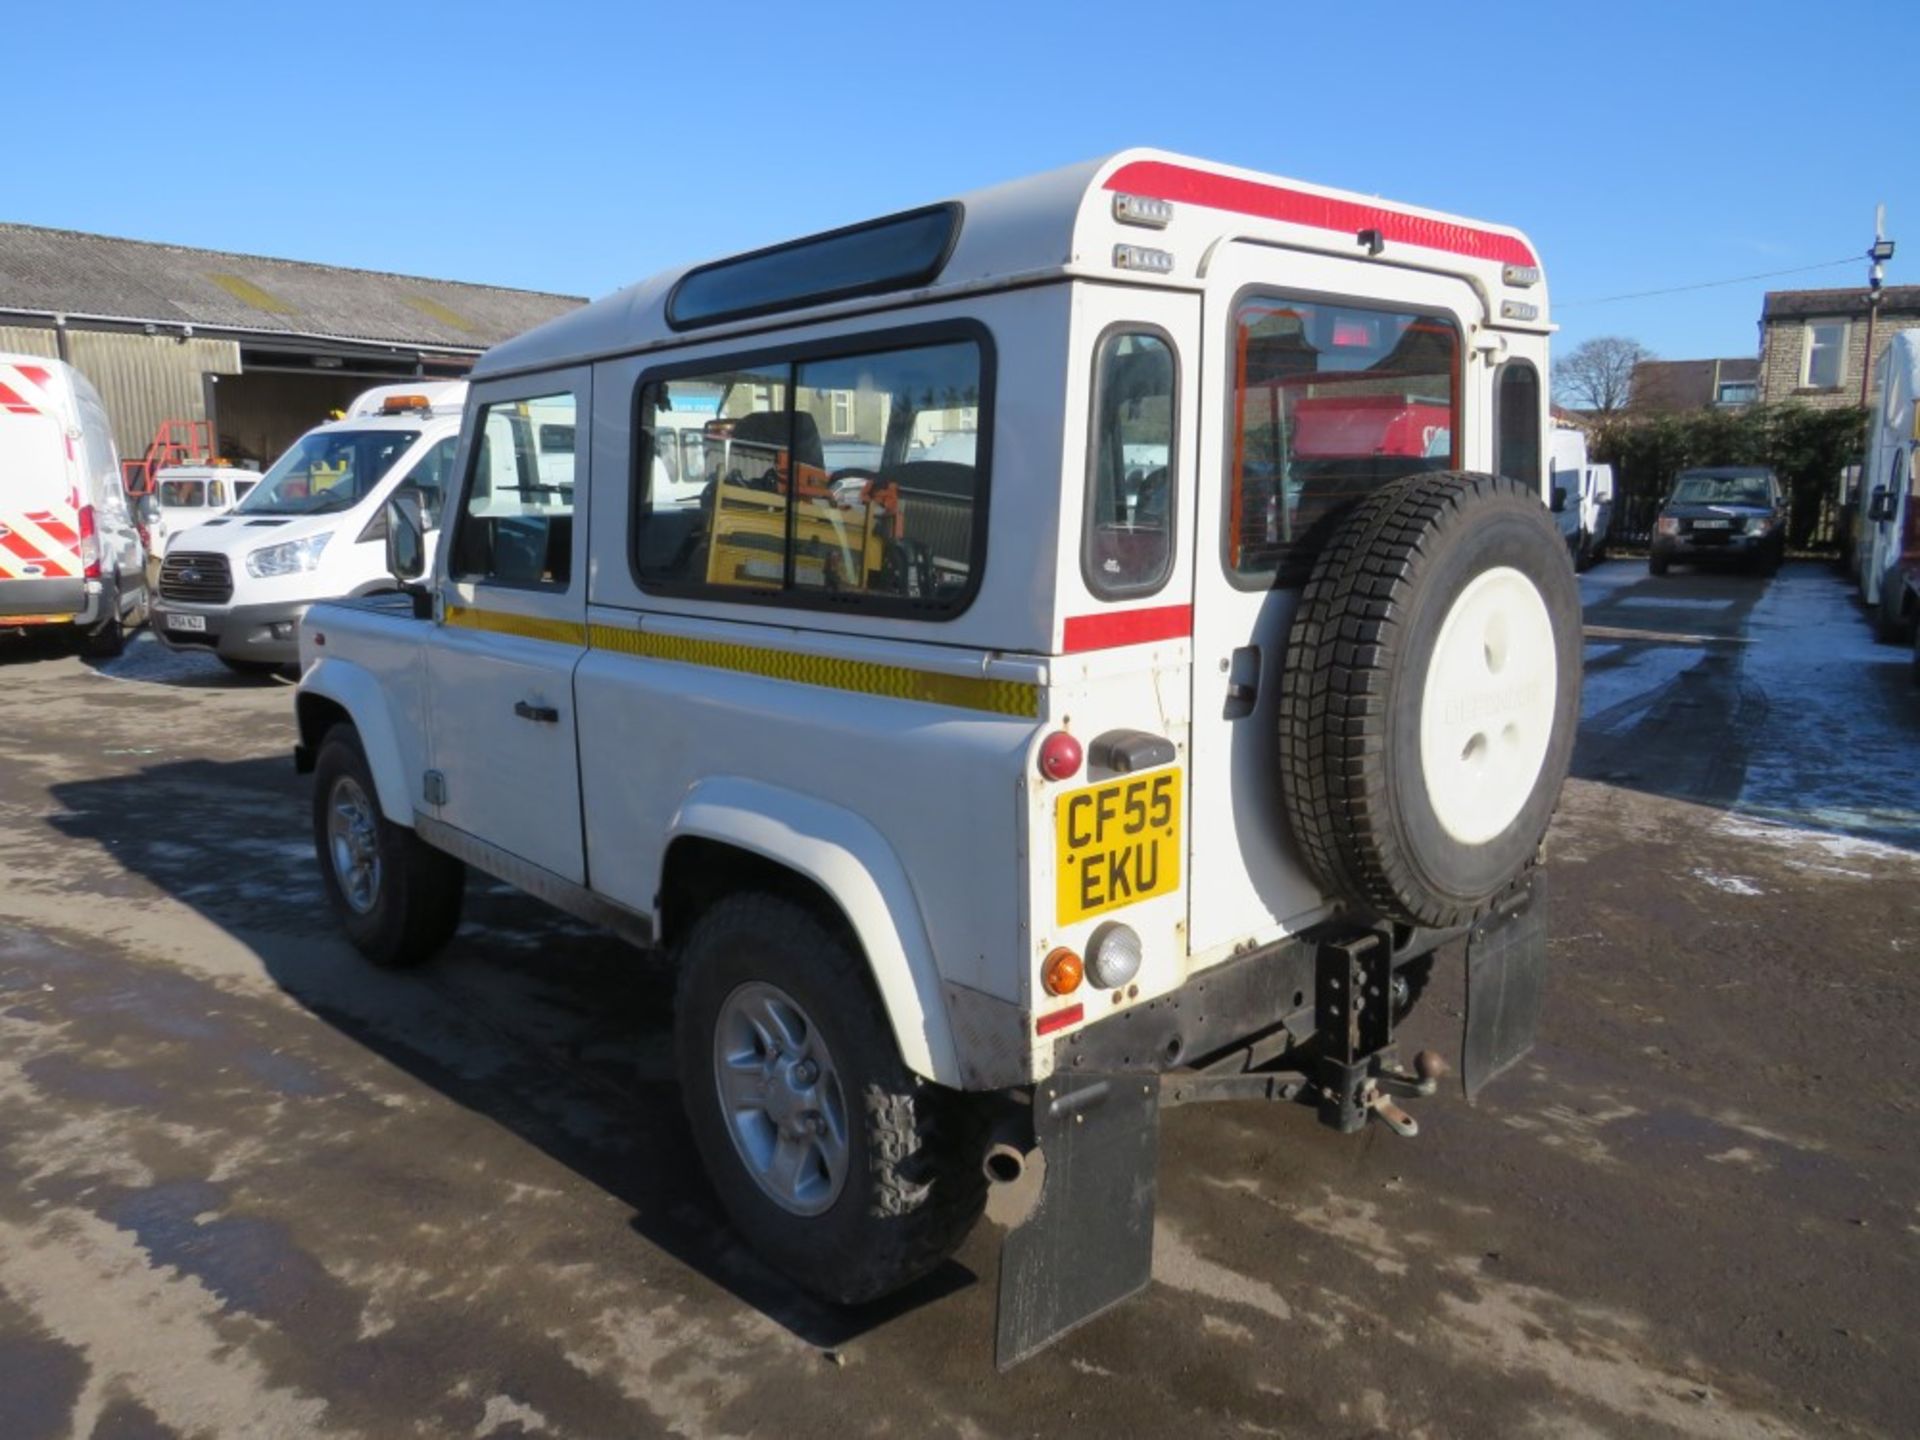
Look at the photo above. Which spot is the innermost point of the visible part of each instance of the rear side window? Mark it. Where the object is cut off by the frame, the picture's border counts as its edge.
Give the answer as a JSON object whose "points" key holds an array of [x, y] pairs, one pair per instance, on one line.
{"points": [[851, 478], [1127, 538], [1516, 424], [516, 522], [1331, 400]]}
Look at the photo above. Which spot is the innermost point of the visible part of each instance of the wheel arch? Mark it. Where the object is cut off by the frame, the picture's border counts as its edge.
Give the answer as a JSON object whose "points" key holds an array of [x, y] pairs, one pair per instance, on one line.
{"points": [[827, 857], [338, 690]]}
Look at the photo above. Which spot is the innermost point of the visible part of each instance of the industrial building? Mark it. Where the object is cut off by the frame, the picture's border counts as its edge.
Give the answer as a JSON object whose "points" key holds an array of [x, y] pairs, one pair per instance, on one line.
{"points": [[260, 348]]}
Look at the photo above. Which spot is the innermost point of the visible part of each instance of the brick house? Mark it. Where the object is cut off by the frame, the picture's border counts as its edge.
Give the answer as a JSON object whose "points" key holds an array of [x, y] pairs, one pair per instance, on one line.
{"points": [[1674, 385], [1813, 343]]}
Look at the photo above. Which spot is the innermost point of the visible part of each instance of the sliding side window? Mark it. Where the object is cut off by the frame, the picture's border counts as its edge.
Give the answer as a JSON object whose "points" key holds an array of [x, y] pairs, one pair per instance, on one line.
{"points": [[851, 478]]}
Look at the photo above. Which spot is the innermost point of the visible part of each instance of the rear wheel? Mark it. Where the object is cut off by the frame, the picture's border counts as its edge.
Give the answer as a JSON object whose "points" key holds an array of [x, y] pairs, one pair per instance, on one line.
{"points": [[397, 897], [1431, 691], [109, 637], [837, 1164], [1889, 621]]}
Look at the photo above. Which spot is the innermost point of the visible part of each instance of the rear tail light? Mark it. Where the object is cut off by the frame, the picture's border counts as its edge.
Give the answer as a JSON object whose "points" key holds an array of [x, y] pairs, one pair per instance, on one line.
{"points": [[89, 544], [1060, 756]]}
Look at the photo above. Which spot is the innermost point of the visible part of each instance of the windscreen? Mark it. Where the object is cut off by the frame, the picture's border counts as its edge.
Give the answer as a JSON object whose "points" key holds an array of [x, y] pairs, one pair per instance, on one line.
{"points": [[327, 471], [183, 494], [1721, 490]]}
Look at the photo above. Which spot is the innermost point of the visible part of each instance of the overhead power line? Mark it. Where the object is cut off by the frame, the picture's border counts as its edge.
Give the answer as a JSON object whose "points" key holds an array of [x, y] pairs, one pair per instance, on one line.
{"points": [[1706, 284]]}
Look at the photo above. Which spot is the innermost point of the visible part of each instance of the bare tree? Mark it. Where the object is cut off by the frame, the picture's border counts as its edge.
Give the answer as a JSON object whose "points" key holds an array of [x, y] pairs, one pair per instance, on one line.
{"points": [[1597, 374]]}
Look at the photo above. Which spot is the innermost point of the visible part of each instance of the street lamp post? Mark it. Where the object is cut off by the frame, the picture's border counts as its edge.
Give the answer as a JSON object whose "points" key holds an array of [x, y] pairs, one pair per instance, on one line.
{"points": [[1878, 254]]}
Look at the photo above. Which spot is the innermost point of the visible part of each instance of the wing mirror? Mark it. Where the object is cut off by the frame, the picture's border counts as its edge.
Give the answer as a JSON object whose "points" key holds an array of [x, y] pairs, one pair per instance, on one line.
{"points": [[1880, 507], [1559, 499], [407, 544]]}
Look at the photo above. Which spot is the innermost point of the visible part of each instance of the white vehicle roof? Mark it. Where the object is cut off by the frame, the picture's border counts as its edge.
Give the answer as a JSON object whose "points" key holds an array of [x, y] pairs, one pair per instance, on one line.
{"points": [[1065, 223], [444, 397]]}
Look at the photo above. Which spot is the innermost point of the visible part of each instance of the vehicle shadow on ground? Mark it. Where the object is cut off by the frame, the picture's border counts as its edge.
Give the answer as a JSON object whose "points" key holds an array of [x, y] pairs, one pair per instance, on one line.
{"points": [[553, 1030]]}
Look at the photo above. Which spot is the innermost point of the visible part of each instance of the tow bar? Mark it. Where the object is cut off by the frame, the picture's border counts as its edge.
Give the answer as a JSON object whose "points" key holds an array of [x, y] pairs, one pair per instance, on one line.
{"points": [[1075, 1166]]}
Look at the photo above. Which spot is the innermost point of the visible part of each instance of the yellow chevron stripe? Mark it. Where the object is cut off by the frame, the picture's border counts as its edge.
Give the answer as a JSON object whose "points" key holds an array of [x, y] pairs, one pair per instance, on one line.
{"points": [[861, 677], [532, 627]]}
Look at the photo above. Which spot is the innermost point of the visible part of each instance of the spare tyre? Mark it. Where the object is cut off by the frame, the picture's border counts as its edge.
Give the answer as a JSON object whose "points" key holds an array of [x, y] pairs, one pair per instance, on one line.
{"points": [[1430, 697]]}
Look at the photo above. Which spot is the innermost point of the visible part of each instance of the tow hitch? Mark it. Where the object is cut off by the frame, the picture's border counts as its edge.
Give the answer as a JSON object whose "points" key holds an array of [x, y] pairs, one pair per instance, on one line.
{"points": [[1075, 1166]]}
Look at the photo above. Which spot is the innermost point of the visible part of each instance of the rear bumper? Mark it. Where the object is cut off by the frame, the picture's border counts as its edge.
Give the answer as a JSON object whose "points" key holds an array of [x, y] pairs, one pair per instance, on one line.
{"points": [[1730, 547], [261, 634], [51, 600]]}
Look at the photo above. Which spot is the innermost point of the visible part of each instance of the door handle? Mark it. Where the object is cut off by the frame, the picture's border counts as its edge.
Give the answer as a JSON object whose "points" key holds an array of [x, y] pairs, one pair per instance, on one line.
{"points": [[540, 714], [1243, 682]]}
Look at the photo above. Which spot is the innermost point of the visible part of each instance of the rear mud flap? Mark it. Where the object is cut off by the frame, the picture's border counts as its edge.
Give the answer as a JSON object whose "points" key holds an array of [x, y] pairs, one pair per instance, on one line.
{"points": [[1506, 978], [1087, 1243]]}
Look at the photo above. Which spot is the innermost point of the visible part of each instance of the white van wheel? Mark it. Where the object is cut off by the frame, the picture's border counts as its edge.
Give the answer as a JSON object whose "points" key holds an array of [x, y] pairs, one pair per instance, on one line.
{"points": [[1430, 697]]}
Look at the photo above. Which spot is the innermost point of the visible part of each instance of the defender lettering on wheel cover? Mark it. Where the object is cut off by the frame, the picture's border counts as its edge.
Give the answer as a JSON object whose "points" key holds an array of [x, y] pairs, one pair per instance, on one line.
{"points": [[1486, 717], [1084, 645]]}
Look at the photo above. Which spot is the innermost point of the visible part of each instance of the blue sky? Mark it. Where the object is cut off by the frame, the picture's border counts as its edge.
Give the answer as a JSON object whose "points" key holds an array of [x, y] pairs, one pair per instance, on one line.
{"points": [[577, 147]]}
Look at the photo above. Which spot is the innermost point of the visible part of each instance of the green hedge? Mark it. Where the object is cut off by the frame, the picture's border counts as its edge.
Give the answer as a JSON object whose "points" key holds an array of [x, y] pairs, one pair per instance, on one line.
{"points": [[1806, 448]]}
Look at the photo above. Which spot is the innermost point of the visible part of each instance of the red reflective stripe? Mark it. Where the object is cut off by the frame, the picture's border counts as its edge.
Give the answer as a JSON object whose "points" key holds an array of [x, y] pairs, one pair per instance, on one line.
{"points": [[1162, 181], [1109, 628], [11, 399], [42, 378], [1059, 1019]]}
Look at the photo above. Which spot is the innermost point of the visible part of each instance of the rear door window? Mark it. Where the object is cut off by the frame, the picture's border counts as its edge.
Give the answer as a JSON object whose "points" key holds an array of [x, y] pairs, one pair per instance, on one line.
{"points": [[1127, 533], [1331, 400]]}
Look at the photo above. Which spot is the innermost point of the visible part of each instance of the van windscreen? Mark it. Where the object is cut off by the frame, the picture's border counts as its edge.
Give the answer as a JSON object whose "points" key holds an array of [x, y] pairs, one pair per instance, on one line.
{"points": [[896, 253], [326, 471]]}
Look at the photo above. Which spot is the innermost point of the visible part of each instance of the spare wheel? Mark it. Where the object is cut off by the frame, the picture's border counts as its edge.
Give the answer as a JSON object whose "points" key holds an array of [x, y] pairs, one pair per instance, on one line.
{"points": [[1430, 696]]}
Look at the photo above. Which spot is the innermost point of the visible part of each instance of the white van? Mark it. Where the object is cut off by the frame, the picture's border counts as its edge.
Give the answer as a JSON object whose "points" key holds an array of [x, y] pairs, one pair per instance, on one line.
{"points": [[1118, 641], [1582, 496], [313, 528], [1887, 549], [70, 554], [188, 495]]}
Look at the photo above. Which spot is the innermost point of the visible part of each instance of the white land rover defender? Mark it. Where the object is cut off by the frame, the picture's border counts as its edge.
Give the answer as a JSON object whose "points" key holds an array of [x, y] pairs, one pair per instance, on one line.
{"points": [[1033, 659]]}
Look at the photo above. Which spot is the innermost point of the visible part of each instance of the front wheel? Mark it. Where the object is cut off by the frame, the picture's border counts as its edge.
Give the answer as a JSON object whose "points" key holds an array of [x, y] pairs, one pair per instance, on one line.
{"points": [[836, 1163], [398, 897], [1656, 565]]}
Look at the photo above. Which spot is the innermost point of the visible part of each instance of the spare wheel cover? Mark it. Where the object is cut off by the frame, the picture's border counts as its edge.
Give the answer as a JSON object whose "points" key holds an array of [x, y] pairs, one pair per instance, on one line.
{"points": [[1486, 714]]}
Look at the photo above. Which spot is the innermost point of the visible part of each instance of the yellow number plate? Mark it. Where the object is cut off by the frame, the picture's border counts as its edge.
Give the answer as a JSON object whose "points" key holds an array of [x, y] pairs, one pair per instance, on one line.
{"points": [[1117, 843]]}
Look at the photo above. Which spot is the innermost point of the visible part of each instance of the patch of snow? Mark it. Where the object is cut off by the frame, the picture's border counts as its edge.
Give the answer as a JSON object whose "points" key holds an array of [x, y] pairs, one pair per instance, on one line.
{"points": [[1837, 753], [1672, 602], [146, 661], [1732, 884]]}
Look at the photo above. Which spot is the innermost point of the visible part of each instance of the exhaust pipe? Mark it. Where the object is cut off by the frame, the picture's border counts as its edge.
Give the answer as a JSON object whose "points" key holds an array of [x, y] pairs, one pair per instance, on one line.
{"points": [[1004, 1164]]}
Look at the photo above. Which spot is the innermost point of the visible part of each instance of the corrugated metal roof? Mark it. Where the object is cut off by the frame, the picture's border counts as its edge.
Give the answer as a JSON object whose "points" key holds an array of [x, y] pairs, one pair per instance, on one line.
{"points": [[80, 274], [1786, 304]]}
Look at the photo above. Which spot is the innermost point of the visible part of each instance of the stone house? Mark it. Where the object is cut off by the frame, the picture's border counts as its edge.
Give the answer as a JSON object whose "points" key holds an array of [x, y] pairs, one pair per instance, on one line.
{"points": [[1813, 343]]}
